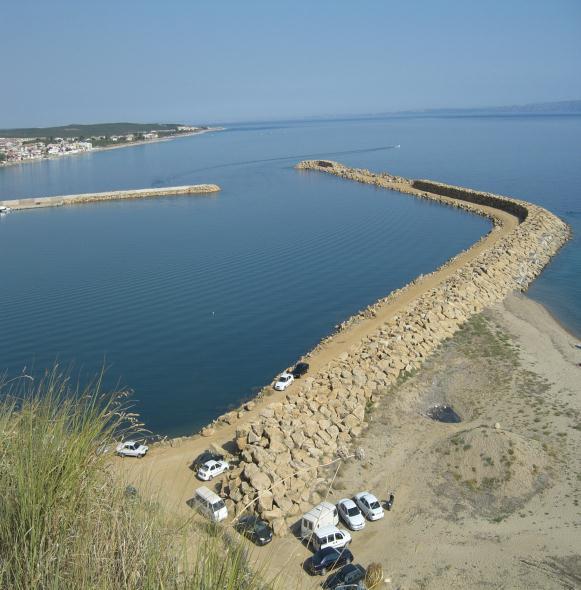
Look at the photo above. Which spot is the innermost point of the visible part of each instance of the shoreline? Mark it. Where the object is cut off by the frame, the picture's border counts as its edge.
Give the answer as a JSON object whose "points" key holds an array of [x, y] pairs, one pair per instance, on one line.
{"points": [[562, 324], [114, 147], [498, 487]]}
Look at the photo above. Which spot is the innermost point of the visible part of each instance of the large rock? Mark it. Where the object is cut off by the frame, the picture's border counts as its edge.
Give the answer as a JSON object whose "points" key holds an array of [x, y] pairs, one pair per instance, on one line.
{"points": [[298, 438], [260, 481], [265, 500], [273, 514], [279, 527]]}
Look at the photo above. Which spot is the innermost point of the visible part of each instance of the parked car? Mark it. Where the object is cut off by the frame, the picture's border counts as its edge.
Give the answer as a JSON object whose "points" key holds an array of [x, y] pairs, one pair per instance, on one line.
{"points": [[210, 504], [328, 559], [369, 505], [300, 370], [321, 516], [283, 381], [330, 536], [204, 458], [131, 448], [254, 529], [350, 514], [211, 469], [349, 576]]}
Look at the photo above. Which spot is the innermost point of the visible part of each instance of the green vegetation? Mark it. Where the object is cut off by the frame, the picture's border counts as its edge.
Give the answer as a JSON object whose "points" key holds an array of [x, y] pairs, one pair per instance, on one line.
{"points": [[67, 523], [480, 338], [76, 130]]}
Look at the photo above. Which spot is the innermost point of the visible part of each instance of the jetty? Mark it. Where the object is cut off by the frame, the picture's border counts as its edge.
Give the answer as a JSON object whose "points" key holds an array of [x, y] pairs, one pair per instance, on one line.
{"points": [[143, 193], [284, 440]]}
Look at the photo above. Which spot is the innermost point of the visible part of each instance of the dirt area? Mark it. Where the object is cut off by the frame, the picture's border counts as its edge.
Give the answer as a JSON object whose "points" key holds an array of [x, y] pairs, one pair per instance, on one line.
{"points": [[491, 501]]}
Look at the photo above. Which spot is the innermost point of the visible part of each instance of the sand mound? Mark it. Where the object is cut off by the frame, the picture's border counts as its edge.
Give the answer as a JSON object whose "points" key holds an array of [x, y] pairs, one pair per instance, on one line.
{"points": [[494, 471]]}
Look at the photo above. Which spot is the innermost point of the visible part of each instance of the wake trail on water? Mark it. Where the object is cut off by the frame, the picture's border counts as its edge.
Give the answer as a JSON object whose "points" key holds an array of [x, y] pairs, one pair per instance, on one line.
{"points": [[169, 179]]}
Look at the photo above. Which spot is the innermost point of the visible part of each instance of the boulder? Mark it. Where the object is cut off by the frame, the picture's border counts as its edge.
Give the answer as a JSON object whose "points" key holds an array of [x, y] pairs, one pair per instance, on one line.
{"points": [[279, 527], [273, 514], [265, 500], [260, 481], [298, 438], [252, 438]]}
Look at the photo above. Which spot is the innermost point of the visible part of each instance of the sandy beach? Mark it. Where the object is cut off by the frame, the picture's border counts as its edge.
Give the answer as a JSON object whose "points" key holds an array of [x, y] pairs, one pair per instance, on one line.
{"points": [[476, 506]]}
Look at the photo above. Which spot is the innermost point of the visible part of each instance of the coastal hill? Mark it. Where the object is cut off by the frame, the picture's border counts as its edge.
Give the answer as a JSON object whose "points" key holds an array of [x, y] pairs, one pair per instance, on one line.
{"points": [[96, 129], [564, 107]]}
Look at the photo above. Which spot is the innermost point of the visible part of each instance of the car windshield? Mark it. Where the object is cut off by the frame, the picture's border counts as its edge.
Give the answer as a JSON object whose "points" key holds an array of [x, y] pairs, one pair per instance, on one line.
{"points": [[353, 511], [218, 505], [375, 505], [204, 468], [327, 554], [346, 573], [284, 378]]}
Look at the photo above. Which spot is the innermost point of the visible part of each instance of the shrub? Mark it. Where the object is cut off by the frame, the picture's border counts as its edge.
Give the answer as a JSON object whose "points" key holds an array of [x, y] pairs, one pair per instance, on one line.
{"points": [[66, 522], [374, 575]]}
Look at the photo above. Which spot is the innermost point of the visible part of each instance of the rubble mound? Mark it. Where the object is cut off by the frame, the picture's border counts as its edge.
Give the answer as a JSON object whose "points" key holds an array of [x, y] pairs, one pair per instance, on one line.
{"points": [[494, 471]]}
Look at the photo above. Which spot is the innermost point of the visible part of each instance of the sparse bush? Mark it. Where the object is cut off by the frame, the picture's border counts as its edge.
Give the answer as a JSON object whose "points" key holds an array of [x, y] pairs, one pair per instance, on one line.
{"points": [[374, 575]]}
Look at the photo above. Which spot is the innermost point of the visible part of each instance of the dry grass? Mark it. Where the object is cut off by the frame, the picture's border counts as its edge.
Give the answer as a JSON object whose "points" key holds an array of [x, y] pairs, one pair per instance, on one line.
{"points": [[66, 523]]}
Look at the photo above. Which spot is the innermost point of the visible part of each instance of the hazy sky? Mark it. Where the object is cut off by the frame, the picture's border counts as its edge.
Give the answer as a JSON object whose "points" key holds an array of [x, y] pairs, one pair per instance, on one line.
{"points": [[187, 60]]}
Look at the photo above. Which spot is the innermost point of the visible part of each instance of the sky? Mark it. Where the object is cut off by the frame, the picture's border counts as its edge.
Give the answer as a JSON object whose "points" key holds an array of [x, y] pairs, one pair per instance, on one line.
{"points": [[219, 61]]}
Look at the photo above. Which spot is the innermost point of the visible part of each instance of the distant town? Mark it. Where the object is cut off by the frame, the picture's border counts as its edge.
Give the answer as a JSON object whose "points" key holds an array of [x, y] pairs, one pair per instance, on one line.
{"points": [[21, 145]]}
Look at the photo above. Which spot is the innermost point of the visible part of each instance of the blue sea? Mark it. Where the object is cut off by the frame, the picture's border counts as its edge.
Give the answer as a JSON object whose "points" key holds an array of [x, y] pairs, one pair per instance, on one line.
{"points": [[196, 302]]}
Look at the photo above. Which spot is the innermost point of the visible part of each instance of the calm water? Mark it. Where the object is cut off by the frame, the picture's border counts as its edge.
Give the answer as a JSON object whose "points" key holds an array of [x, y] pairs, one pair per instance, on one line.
{"points": [[197, 302]]}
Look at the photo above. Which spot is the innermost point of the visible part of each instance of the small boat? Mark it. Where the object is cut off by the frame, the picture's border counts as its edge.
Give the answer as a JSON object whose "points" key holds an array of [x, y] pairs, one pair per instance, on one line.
{"points": [[4, 210]]}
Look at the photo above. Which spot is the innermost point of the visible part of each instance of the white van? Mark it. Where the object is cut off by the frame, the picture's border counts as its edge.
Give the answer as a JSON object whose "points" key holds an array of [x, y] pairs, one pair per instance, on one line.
{"points": [[323, 515], [330, 536], [210, 504]]}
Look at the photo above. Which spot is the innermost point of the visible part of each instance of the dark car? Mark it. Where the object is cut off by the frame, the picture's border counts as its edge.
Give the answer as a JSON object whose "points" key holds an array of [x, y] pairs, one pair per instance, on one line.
{"points": [[300, 370], [205, 456], [349, 575], [328, 559], [254, 529]]}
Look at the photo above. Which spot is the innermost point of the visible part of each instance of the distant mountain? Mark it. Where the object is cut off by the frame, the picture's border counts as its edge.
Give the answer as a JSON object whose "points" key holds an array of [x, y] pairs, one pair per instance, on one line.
{"points": [[564, 107], [76, 130]]}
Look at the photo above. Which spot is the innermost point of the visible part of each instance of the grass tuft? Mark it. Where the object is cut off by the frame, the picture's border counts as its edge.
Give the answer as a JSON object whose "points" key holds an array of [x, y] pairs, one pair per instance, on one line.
{"points": [[66, 522]]}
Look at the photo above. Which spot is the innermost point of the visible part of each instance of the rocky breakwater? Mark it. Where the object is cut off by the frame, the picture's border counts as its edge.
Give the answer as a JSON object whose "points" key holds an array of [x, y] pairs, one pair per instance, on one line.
{"points": [[289, 454], [59, 201]]}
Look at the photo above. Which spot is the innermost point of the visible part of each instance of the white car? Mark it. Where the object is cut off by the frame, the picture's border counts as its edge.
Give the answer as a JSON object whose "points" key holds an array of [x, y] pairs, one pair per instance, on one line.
{"points": [[330, 536], [284, 380], [369, 505], [131, 448], [210, 469], [350, 514]]}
